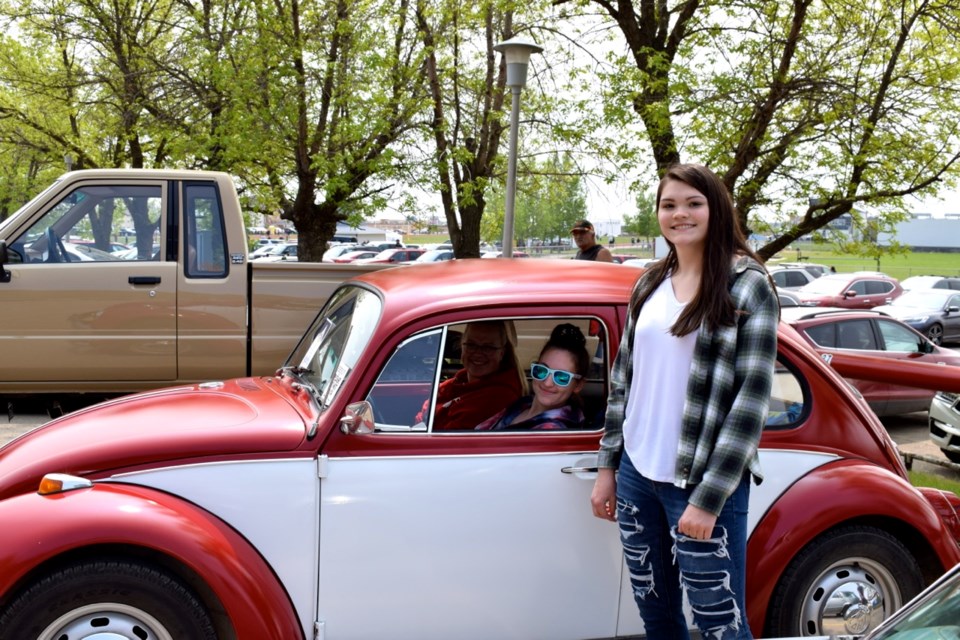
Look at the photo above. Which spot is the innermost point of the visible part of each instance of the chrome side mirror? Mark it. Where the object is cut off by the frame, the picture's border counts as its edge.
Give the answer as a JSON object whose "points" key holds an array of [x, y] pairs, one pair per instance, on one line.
{"points": [[357, 419]]}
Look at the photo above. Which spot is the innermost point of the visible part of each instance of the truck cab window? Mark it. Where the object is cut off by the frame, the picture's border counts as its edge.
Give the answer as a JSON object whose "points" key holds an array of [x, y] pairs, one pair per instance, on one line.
{"points": [[96, 223], [204, 236]]}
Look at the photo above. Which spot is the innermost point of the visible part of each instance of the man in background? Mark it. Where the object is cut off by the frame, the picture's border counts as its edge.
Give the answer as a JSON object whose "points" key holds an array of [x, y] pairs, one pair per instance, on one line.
{"points": [[586, 238]]}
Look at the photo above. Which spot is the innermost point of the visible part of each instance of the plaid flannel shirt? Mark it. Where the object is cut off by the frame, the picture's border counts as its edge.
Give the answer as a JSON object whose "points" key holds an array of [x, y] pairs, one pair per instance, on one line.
{"points": [[727, 394]]}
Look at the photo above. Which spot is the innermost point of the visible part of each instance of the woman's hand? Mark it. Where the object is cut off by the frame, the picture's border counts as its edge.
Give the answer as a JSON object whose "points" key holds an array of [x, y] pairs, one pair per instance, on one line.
{"points": [[696, 523], [604, 496]]}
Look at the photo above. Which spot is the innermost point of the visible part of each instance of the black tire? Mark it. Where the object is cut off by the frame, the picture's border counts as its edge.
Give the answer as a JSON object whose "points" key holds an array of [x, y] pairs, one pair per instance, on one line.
{"points": [[952, 456], [119, 599], [843, 583], [935, 333]]}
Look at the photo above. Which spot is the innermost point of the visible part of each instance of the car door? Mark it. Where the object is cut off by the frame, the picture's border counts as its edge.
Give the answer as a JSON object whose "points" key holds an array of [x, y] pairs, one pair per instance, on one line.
{"points": [[899, 342], [490, 532], [67, 317], [951, 318]]}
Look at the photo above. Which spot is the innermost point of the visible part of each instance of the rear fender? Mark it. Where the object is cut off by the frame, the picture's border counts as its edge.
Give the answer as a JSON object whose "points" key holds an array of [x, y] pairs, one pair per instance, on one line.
{"points": [[35, 536], [832, 495]]}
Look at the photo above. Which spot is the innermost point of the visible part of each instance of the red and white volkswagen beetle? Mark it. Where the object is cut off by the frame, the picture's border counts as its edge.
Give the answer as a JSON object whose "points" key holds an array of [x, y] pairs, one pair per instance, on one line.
{"points": [[312, 504]]}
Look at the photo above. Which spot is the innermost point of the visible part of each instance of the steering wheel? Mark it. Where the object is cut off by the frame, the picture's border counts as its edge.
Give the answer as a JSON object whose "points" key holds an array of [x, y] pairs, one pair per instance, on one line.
{"points": [[56, 252]]}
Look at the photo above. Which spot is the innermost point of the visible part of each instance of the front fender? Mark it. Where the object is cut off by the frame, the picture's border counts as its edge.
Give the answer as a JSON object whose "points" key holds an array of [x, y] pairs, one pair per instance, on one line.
{"points": [[825, 498], [38, 529]]}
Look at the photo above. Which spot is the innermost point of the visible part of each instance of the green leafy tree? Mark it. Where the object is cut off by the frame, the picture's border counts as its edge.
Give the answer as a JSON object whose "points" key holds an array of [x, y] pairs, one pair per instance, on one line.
{"points": [[644, 223], [843, 104]]}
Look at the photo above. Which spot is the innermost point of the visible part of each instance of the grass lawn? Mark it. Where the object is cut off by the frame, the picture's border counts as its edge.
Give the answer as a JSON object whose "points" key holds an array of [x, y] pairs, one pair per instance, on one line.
{"points": [[899, 266], [919, 479]]}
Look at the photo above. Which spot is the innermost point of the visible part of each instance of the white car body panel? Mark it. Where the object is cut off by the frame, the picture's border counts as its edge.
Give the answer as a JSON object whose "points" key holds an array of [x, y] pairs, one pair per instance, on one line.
{"points": [[384, 521], [272, 503]]}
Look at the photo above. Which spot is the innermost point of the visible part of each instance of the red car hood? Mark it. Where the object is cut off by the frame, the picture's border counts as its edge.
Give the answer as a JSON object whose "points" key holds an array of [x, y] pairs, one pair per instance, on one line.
{"points": [[237, 417]]}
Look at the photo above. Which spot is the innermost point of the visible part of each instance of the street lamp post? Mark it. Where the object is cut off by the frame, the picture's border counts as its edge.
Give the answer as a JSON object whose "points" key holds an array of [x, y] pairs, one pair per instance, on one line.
{"points": [[516, 52]]}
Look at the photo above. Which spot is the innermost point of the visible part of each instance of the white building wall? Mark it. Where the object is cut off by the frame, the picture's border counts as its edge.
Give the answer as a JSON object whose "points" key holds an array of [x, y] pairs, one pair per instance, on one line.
{"points": [[926, 233]]}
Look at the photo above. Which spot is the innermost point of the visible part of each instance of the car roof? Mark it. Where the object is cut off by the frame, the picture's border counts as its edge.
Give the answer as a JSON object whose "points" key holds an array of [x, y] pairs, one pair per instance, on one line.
{"points": [[474, 282], [796, 315]]}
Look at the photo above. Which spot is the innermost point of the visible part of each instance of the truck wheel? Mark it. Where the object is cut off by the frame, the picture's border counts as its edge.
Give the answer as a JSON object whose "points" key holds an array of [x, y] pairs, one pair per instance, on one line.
{"points": [[935, 333], [843, 583], [952, 456], [121, 600]]}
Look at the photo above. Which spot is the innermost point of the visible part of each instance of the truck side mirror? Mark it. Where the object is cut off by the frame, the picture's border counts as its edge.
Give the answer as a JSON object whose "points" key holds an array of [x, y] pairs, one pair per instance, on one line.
{"points": [[4, 274]]}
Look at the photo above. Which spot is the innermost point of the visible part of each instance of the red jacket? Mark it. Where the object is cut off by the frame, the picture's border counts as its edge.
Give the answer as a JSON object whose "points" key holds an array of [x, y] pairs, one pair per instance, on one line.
{"points": [[462, 405]]}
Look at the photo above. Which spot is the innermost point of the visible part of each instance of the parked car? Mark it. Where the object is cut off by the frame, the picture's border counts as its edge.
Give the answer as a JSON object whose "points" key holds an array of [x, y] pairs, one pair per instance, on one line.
{"points": [[933, 312], [499, 254], [640, 262], [813, 268], [620, 258], [790, 277], [433, 255], [394, 255], [356, 254], [934, 614], [930, 282], [788, 298], [944, 421], [832, 331], [338, 250], [285, 251], [859, 290], [268, 508]]}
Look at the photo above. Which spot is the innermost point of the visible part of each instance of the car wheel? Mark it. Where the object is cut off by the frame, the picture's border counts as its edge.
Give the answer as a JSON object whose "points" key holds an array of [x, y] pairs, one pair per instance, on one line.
{"points": [[935, 333], [101, 599], [952, 456], [845, 582]]}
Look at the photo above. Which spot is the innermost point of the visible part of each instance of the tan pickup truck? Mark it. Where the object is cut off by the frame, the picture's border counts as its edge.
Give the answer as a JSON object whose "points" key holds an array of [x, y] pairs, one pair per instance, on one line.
{"points": [[78, 313]]}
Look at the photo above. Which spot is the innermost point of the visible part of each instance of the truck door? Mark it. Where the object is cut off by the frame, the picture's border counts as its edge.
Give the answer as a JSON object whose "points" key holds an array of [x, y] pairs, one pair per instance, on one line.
{"points": [[93, 289]]}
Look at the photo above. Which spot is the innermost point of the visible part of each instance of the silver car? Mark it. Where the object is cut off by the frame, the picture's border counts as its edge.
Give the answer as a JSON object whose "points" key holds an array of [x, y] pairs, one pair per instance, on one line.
{"points": [[945, 424]]}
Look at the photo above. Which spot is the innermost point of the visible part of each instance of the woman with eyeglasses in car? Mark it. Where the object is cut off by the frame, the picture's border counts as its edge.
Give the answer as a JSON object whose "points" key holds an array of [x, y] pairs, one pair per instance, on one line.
{"points": [[558, 376], [490, 380]]}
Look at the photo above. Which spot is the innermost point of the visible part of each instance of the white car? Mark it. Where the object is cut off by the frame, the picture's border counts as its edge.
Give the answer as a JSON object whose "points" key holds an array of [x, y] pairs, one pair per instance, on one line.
{"points": [[274, 252]]}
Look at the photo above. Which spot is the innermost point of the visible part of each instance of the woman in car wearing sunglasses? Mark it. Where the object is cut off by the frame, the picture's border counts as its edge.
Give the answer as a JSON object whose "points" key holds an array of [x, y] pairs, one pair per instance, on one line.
{"points": [[558, 376]]}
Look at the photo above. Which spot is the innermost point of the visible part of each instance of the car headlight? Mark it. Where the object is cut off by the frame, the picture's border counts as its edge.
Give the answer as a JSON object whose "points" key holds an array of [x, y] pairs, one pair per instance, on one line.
{"points": [[948, 396], [917, 318]]}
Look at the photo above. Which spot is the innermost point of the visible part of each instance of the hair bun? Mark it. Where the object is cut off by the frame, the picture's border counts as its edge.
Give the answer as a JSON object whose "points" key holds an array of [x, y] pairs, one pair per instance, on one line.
{"points": [[568, 336]]}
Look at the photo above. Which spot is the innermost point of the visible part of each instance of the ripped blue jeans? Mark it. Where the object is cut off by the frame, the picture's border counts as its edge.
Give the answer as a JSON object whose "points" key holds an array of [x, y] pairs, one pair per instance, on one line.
{"points": [[664, 565]]}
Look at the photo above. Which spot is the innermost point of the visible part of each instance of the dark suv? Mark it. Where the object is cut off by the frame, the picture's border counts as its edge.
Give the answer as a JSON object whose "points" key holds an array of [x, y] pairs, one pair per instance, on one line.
{"points": [[875, 334], [859, 290]]}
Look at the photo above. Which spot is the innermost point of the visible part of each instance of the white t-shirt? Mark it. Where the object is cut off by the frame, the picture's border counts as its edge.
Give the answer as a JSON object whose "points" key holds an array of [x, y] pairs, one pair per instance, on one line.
{"points": [[661, 366]]}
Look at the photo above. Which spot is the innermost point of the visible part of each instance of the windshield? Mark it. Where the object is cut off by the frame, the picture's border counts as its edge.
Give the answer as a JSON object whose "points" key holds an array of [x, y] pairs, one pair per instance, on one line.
{"points": [[934, 619], [924, 300], [332, 346]]}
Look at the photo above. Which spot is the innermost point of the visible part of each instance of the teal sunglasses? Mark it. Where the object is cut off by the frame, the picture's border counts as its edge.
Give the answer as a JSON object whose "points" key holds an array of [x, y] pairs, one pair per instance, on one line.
{"points": [[561, 378]]}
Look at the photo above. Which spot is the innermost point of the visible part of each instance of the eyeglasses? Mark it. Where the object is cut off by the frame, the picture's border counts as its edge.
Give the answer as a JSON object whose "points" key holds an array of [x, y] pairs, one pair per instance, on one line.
{"points": [[485, 349], [561, 378]]}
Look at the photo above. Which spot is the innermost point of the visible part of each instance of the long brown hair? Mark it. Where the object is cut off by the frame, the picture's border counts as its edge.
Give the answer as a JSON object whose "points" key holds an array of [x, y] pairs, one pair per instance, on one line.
{"points": [[712, 304]]}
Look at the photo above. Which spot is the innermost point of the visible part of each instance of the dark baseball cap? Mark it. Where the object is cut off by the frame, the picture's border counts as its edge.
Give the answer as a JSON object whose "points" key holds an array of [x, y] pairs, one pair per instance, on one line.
{"points": [[582, 225]]}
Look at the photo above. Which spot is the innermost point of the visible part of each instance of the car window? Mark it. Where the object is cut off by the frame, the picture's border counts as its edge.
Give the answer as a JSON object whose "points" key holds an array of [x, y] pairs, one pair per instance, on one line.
{"points": [[860, 287], [204, 234], [823, 335], [954, 301], [856, 334], [898, 338], [787, 399], [403, 395], [878, 287], [88, 223]]}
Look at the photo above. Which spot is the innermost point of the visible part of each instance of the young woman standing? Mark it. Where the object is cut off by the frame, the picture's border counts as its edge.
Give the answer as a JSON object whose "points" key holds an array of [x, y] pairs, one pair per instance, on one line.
{"points": [[689, 393]]}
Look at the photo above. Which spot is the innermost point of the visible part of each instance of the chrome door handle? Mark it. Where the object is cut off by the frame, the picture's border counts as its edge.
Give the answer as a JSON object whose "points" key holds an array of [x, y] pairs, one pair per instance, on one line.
{"points": [[579, 470]]}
